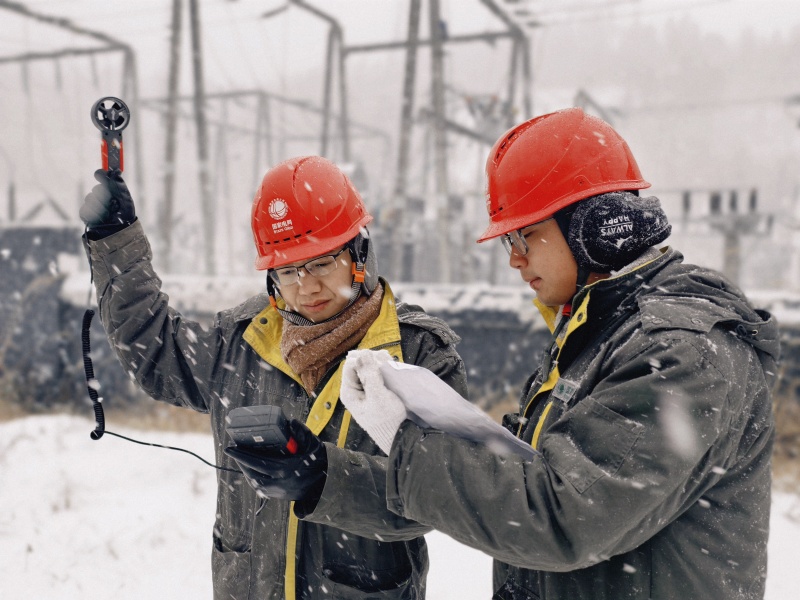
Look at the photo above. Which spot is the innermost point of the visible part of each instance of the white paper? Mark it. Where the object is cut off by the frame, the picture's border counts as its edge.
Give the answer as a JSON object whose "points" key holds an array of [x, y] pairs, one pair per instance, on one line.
{"points": [[432, 403]]}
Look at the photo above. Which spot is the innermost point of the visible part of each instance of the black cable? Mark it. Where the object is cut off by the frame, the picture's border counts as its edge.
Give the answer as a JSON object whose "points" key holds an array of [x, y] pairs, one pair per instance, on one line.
{"points": [[173, 448], [88, 370], [100, 427]]}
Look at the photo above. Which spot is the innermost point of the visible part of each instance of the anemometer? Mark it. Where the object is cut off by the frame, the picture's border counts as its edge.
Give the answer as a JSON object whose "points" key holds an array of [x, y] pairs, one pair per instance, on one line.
{"points": [[111, 115]]}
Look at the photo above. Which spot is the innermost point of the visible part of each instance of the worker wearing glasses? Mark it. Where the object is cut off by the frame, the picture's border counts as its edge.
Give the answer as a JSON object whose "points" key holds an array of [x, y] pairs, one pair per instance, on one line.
{"points": [[314, 524], [649, 414]]}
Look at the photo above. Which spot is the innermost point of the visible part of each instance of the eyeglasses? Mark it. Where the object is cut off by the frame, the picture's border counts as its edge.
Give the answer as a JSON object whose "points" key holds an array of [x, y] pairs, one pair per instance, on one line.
{"points": [[515, 240], [318, 267]]}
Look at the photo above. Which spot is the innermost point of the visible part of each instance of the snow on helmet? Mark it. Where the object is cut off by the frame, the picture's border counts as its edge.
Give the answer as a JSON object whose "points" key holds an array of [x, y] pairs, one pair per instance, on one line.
{"points": [[551, 161], [304, 207]]}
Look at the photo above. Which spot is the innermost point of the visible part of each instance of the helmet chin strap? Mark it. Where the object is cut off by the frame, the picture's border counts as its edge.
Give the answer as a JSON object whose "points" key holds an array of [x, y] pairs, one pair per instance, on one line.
{"points": [[582, 279]]}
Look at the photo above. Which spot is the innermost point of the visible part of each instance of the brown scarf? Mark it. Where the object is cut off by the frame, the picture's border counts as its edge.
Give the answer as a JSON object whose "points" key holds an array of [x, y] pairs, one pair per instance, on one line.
{"points": [[311, 349]]}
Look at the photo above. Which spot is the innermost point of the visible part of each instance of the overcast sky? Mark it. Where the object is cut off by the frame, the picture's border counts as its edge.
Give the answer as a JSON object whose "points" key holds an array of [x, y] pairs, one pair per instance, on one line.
{"points": [[236, 25]]}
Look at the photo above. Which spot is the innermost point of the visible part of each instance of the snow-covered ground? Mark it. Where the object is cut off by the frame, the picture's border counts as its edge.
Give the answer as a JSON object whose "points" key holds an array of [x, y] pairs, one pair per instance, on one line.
{"points": [[111, 519]]}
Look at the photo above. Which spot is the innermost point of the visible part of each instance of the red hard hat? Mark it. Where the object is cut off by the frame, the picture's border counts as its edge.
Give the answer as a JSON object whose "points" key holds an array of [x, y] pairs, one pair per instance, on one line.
{"points": [[304, 207], [537, 168]]}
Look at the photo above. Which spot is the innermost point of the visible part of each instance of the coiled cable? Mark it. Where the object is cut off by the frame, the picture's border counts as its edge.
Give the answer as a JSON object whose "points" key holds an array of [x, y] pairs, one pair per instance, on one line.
{"points": [[91, 386]]}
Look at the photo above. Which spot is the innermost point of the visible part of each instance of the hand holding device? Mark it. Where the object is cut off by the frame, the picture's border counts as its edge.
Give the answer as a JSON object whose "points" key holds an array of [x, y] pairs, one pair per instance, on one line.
{"points": [[280, 459], [108, 208]]}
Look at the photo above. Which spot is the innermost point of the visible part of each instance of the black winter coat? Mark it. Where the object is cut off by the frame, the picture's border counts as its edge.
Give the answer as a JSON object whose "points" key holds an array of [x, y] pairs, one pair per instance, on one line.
{"points": [[261, 550], [654, 425]]}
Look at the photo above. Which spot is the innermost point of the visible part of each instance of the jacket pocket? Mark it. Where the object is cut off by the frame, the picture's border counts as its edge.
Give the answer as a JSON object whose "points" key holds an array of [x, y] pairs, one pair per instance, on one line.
{"points": [[234, 524], [363, 586], [231, 573], [588, 442], [368, 568], [511, 590]]}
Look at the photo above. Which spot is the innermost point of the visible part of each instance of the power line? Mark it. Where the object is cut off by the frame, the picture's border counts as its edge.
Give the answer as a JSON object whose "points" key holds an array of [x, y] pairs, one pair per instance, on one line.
{"points": [[633, 14], [710, 105], [569, 8]]}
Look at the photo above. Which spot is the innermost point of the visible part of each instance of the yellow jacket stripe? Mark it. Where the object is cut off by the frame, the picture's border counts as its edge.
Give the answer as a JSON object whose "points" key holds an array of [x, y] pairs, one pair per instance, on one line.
{"points": [[550, 315], [264, 336]]}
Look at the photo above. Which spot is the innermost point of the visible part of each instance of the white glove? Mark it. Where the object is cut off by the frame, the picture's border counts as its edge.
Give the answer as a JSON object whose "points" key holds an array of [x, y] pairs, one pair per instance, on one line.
{"points": [[378, 410]]}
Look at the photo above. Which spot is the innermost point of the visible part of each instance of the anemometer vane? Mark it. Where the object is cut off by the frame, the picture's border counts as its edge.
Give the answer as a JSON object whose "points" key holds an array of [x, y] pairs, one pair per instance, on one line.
{"points": [[111, 115]]}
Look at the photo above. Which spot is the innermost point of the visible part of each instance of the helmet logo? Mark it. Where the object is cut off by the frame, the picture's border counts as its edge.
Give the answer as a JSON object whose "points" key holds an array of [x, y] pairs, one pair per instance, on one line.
{"points": [[278, 208]]}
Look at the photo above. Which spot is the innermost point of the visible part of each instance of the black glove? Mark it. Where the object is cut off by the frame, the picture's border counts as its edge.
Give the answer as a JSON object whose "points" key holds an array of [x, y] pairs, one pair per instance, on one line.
{"points": [[279, 474], [108, 208]]}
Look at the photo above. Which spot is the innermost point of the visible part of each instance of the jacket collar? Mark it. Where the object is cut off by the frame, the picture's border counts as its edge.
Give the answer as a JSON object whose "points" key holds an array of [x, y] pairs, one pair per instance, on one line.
{"points": [[671, 295], [607, 295]]}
